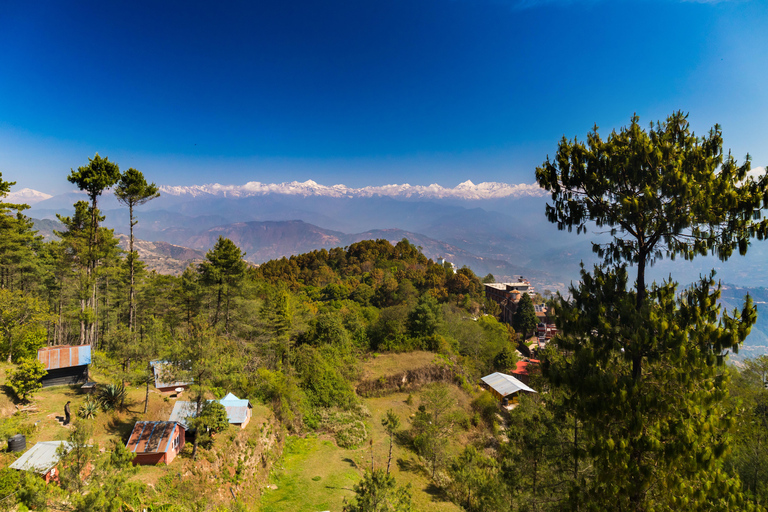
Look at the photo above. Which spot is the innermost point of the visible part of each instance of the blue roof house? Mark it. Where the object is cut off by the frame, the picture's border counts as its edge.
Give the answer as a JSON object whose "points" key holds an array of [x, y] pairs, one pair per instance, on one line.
{"points": [[239, 410]]}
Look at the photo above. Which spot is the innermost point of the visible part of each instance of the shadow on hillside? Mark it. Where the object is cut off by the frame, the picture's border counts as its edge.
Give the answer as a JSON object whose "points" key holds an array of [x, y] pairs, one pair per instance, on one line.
{"points": [[413, 466], [437, 493], [121, 426], [350, 462]]}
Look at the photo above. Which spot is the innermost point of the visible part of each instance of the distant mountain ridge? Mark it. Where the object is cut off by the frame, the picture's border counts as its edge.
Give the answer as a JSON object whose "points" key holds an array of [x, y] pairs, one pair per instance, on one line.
{"points": [[466, 190]]}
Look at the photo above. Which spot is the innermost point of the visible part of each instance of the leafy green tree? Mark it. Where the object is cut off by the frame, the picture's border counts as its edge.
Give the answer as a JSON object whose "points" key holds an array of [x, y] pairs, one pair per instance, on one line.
{"points": [[378, 492], [223, 268], [475, 481], [505, 360], [133, 190], [749, 458], [425, 319], [213, 417], [94, 178], [640, 366], [524, 319], [24, 380], [23, 320]]}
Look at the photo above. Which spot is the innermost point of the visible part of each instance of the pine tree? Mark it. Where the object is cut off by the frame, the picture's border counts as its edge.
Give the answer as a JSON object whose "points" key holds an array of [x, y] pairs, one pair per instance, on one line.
{"points": [[18, 243], [133, 190], [94, 178], [223, 268], [641, 365], [525, 319]]}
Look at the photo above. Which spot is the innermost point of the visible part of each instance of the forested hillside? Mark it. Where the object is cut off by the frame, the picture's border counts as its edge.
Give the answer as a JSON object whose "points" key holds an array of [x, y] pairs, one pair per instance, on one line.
{"points": [[362, 363]]}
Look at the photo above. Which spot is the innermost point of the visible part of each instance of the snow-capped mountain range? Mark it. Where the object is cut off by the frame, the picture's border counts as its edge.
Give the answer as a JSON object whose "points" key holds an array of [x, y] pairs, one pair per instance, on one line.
{"points": [[466, 190], [26, 196]]}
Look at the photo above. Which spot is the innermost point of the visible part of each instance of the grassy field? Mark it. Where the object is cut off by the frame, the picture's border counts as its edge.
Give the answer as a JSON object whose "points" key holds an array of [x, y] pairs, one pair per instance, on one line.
{"points": [[389, 364], [315, 474]]}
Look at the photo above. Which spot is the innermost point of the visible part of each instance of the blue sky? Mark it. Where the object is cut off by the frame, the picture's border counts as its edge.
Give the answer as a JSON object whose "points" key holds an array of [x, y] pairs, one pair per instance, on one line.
{"points": [[363, 93]]}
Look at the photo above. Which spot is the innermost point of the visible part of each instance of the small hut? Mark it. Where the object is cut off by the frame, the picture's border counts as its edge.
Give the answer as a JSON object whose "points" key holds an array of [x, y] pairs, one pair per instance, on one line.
{"points": [[239, 410], [65, 364], [163, 372], [504, 386], [154, 442], [42, 459]]}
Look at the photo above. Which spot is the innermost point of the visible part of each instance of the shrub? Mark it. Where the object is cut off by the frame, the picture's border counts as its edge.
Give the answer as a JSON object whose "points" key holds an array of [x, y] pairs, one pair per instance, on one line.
{"points": [[25, 379], [486, 405], [111, 396], [89, 409]]}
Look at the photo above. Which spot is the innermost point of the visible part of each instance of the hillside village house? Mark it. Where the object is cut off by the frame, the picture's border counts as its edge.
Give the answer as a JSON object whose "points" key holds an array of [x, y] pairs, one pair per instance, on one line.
{"points": [[507, 295], [239, 410], [65, 364], [42, 459], [505, 387], [154, 442], [164, 381]]}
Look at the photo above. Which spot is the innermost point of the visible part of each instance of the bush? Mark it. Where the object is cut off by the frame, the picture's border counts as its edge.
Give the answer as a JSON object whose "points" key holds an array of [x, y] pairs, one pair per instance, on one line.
{"points": [[89, 409], [112, 396], [486, 405], [25, 379]]}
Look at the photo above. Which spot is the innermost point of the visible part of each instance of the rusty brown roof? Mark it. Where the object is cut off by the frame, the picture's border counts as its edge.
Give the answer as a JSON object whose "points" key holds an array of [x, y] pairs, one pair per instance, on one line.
{"points": [[64, 356], [151, 436]]}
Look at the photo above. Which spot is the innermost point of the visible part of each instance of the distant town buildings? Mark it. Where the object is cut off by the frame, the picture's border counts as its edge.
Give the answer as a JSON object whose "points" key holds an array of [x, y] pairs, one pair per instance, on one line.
{"points": [[507, 295], [442, 261]]}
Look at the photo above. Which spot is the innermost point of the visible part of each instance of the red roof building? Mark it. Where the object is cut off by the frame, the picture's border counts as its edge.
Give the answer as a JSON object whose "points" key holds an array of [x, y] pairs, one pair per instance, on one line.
{"points": [[154, 442]]}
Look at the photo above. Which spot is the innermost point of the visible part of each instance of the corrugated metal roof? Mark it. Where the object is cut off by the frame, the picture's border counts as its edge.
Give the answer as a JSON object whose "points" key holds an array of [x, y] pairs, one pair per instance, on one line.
{"points": [[505, 384], [41, 457], [151, 436], [161, 373], [183, 410], [64, 356], [237, 410]]}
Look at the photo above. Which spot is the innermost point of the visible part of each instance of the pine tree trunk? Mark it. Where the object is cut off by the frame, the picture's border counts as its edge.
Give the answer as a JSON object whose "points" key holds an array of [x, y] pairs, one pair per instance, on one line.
{"points": [[146, 396], [132, 304]]}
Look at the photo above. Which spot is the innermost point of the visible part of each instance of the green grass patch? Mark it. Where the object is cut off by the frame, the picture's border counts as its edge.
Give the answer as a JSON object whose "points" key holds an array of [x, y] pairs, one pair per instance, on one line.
{"points": [[298, 485]]}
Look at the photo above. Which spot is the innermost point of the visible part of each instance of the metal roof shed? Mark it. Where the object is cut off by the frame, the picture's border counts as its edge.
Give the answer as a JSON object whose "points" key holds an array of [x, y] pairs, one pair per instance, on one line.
{"points": [[156, 441], [238, 410], [504, 385], [41, 458], [65, 364]]}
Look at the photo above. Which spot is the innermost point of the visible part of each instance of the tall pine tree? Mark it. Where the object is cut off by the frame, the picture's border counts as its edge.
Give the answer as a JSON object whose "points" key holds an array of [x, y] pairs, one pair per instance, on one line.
{"points": [[641, 364]]}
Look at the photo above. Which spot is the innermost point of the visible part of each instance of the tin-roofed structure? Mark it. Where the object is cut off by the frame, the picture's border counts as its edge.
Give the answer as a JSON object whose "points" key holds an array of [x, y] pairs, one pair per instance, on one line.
{"points": [[154, 442], [42, 459], [504, 386], [163, 371], [65, 364], [239, 410]]}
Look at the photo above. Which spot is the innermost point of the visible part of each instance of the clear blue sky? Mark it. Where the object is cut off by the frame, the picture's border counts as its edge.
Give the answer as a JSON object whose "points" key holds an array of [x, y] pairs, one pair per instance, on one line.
{"points": [[363, 92]]}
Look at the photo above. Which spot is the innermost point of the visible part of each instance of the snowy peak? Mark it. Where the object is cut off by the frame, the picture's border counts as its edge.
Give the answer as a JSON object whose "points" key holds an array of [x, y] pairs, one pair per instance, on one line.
{"points": [[466, 190], [26, 196]]}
